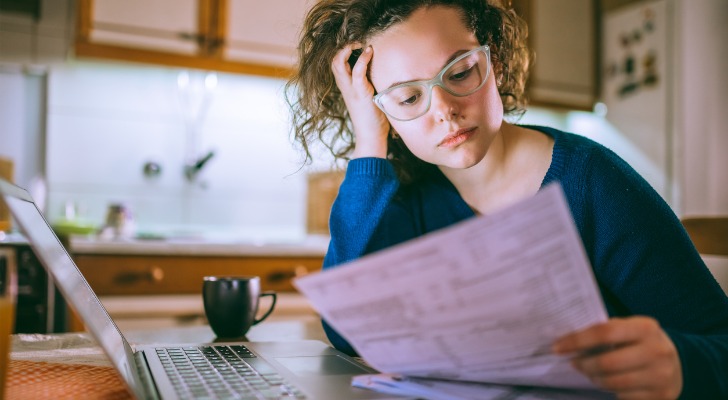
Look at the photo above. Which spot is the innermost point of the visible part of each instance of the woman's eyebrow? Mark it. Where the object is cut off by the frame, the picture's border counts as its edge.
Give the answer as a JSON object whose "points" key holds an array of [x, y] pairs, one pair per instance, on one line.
{"points": [[448, 61]]}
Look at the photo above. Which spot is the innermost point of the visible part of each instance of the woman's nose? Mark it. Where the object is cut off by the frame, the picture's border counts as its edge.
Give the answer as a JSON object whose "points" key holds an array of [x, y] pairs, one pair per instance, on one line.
{"points": [[443, 104]]}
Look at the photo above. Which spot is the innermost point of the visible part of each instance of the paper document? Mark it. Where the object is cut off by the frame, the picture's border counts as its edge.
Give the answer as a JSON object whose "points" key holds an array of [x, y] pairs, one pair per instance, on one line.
{"points": [[480, 301], [433, 389]]}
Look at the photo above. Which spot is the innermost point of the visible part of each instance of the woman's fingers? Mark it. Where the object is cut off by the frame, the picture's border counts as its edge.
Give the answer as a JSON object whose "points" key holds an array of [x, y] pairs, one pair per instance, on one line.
{"points": [[340, 64], [348, 77], [369, 124], [642, 383], [359, 73], [602, 336], [633, 357], [619, 359]]}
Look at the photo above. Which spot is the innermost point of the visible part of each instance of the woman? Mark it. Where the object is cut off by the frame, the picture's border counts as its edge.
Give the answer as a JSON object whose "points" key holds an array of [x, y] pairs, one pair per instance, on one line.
{"points": [[414, 93]]}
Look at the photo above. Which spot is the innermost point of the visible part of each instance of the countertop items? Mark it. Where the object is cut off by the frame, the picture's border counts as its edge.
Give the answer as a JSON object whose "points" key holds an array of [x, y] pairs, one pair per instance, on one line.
{"points": [[308, 245]]}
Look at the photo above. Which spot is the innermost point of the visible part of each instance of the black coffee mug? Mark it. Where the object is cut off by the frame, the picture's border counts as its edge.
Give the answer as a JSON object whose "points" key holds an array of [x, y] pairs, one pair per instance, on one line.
{"points": [[231, 304]]}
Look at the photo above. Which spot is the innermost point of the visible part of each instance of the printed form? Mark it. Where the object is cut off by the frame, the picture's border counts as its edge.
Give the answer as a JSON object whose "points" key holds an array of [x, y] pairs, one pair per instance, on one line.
{"points": [[481, 301]]}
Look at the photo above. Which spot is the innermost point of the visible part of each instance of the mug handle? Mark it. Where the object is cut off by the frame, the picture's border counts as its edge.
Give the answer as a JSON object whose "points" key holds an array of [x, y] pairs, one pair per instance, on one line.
{"points": [[272, 305]]}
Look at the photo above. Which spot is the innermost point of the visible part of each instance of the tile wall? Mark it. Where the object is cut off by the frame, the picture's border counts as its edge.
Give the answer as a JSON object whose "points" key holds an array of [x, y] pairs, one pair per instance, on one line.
{"points": [[25, 41], [105, 121]]}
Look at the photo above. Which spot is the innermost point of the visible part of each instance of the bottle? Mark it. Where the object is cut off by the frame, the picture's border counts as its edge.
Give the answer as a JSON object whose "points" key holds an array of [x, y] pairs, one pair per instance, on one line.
{"points": [[119, 222]]}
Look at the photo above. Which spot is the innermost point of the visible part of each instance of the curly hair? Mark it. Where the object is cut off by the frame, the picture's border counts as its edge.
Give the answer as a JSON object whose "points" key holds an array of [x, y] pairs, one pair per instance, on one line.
{"points": [[318, 110]]}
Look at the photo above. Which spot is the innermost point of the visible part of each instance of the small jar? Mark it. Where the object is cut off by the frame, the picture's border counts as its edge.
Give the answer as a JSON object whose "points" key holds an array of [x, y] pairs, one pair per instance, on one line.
{"points": [[119, 222]]}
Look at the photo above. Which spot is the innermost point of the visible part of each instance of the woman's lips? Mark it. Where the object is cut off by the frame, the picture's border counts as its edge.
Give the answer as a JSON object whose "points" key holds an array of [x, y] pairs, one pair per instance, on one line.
{"points": [[458, 137]]}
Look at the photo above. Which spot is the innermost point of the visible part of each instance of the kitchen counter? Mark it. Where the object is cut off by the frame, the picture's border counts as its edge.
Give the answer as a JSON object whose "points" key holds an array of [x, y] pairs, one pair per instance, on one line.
{"points": [[177, 264], [303, 246]]}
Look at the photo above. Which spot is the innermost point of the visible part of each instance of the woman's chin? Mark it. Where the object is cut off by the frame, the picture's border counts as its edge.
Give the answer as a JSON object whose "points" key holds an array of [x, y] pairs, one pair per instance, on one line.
{"points": [[463, 161]]}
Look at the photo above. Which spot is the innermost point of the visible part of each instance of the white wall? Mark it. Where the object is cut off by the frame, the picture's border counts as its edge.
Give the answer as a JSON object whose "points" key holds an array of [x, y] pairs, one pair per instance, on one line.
{"points": [[105, 120]]}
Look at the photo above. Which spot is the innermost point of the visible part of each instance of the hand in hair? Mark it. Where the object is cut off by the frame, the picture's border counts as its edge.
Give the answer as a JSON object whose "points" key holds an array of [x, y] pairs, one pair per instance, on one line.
{"points": [[370, 125]]}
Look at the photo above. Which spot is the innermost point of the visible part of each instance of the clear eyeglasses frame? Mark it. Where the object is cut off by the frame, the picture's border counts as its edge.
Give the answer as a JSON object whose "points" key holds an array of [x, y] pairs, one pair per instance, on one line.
{"points": [[461, 77]]}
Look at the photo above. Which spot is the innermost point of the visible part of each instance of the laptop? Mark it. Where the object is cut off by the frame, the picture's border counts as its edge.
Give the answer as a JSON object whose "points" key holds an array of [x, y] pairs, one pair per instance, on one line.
{"points": [[243, 370]]}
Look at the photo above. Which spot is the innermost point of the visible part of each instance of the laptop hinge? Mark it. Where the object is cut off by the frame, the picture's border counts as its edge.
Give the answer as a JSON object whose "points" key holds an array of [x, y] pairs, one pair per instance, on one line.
{"points": [[145, 376]]}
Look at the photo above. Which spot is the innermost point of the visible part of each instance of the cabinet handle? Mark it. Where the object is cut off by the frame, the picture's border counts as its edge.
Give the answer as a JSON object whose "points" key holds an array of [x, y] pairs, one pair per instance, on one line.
{"points": [[156, 274], [214, 43], [276, 277], [191, 36], [153, 275]]}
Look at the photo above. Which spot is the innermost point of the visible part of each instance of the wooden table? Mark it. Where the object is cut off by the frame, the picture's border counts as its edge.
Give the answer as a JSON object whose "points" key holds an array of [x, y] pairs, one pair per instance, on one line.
{"points": [[73, 366]]}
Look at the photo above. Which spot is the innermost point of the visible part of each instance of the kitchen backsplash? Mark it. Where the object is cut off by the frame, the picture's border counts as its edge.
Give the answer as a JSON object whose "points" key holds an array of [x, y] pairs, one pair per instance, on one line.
{"points": [[106, 120]]}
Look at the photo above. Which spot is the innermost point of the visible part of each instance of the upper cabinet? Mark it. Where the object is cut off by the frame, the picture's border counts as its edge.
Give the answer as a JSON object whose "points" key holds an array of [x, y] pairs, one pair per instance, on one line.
{"points": [[563, 35], [243, 36], [35, 33], [265, 31]]}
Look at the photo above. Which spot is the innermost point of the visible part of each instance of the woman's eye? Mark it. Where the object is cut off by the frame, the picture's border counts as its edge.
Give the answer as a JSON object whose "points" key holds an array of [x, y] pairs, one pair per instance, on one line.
{"points": [[410, 100], [459, 76], [406, 96]]}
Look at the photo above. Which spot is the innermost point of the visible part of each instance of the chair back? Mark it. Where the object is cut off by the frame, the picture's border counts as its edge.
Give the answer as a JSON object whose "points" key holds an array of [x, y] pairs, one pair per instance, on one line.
{"points": [[709, 234]]}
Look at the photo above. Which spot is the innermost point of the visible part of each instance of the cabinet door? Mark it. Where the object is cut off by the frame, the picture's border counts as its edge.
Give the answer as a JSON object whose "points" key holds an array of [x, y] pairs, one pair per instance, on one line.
{"points": [[166, 25], [131, 274], [240, 36], [264, 32], [563, 37]]}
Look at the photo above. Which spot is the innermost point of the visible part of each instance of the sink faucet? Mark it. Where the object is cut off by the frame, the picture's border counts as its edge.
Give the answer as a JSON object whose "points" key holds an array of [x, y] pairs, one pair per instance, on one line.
{"points": [[193, 169]]}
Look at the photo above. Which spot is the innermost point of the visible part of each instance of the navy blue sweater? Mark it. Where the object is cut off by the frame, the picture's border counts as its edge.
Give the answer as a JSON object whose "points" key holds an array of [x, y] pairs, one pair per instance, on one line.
{"points": [[643, 260]]}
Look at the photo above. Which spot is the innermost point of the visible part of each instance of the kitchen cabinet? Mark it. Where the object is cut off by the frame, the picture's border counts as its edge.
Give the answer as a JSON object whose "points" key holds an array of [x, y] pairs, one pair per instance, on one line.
{"points": [[154, 283], [34, 32], [563, 35], [242, 36], [264, 32], [322, 187], [128, 274]]}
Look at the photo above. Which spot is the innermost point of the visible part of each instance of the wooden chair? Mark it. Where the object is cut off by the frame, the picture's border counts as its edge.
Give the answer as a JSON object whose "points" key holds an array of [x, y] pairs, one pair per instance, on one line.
{"points": [[709, 234]]}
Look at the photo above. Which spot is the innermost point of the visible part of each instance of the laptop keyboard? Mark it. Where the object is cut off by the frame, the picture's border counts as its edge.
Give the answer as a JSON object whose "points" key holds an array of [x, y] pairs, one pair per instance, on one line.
{"points": [[223, 372]]}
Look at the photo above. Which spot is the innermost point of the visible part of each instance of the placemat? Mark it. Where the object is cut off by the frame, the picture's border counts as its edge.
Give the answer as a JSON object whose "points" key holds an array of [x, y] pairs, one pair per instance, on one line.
{"points": [[42, 380]]}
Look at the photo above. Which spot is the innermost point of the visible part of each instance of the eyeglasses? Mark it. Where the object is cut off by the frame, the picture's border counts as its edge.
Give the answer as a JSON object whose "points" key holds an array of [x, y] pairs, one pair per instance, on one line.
{"points": [[461, 77]]}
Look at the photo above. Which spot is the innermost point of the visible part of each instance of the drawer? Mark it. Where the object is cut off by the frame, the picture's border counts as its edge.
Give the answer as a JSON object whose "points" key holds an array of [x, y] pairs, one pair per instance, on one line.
{"points": [[133, 275]]}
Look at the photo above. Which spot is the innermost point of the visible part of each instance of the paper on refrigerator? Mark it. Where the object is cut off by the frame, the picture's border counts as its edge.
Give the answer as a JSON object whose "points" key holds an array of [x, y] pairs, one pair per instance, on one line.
{"points": [[480, 301]]}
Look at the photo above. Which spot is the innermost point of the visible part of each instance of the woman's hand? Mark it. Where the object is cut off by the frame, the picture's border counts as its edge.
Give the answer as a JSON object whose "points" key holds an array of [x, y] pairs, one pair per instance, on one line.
{"points": [[369, 123], [633, 357]]}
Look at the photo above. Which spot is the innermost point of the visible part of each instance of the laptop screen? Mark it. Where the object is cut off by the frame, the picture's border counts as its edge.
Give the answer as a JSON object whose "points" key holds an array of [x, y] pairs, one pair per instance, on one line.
{"points": [[69, 280]]}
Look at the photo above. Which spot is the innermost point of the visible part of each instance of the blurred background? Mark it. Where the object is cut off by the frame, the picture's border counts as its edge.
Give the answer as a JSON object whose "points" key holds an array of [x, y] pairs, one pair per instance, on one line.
{"points": [[170, 115], [93, 93]]}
